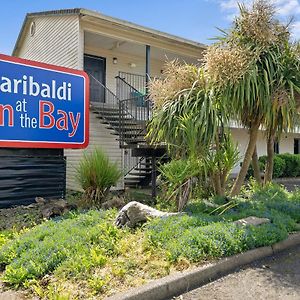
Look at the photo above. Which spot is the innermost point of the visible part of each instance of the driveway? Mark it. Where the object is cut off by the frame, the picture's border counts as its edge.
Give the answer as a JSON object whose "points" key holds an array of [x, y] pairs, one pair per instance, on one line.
{"points": [[277, 277]]}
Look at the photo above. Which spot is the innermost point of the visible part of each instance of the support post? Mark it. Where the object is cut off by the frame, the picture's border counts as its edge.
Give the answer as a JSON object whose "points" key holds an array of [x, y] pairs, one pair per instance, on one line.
{"points": [[153, 177], [147, 79], [147, 67]]}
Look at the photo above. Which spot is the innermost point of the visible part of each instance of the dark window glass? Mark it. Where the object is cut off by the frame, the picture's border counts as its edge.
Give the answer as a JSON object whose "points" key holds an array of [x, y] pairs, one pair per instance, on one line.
{"points": [[276, 147], [296, 146]]}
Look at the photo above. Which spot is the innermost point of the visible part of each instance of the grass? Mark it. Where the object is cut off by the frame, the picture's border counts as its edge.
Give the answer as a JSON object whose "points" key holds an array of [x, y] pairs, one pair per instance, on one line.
{"points": [[85, 254]]}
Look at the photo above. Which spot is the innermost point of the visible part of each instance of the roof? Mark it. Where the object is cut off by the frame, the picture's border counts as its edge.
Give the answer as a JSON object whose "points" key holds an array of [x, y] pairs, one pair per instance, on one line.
{"points": [[93, 14]]}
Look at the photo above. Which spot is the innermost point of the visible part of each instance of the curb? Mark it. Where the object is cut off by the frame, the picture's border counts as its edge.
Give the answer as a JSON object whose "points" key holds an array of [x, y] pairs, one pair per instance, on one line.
{"points": [[176, 284]]}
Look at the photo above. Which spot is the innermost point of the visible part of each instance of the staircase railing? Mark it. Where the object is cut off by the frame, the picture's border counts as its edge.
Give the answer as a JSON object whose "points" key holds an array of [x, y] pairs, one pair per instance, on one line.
{"points": [[125, 90], [134, 113], [101, 96], [132, 133], [137, 81], [130, 162]]}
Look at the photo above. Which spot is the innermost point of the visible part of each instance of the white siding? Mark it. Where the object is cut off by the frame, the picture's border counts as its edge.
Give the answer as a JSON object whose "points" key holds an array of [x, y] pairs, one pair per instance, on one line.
{"points": [[56, 41], [59, 40], [241, 137], [99, 137]]}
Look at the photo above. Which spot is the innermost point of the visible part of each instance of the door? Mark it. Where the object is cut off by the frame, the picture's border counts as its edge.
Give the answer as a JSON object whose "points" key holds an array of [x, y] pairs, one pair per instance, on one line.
{"points": [[95, 67]]}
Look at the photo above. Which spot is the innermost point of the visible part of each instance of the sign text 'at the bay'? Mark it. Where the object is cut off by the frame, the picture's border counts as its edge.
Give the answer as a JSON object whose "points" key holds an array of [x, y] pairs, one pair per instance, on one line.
{"points": [[42, 106]]}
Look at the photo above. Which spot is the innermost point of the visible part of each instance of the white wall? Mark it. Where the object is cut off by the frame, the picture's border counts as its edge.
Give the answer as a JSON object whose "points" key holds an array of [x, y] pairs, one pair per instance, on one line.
{"points": [[240, 137], [56, 41], [59, 40]]}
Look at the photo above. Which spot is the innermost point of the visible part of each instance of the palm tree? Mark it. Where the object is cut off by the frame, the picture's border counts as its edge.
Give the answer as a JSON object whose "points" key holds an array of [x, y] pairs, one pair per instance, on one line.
{"points": [[249, 73], [282, 115]]}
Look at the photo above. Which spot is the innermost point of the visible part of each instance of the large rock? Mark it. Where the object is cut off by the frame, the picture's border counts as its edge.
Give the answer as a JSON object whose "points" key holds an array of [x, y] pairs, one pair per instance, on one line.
{"points": [[255, 221], [135, 213], [53, 208]]}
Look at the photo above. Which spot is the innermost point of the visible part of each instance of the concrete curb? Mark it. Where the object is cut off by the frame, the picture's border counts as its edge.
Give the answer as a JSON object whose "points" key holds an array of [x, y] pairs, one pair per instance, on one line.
{"points": [[173, 285]]}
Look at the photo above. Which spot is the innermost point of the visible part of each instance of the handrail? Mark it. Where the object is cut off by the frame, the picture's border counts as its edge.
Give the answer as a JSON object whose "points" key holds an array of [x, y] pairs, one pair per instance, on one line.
{"points": [[115, 100], [102, 85], [139, 160], [129, 85]]}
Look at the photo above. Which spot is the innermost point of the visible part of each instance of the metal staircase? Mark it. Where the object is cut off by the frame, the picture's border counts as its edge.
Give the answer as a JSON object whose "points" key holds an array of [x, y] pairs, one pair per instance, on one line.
{"points": [[127, 119]]}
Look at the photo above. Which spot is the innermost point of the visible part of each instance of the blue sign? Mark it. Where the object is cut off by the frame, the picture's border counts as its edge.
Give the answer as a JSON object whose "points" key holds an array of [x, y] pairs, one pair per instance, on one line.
{"points": [[42, 106]]}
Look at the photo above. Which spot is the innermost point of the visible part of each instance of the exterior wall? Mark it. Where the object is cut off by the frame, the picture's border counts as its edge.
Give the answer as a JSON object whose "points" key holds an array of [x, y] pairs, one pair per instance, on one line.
{"points": [[241, 136], [56, 41], [99, 137], [123, 65], [59, 40]]}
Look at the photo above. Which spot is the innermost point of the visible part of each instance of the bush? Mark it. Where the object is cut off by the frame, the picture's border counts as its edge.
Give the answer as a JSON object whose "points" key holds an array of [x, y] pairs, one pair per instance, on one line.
{"points": [[292, 164], [178, 180], [285, 165], [96, 174], [278, 167]]}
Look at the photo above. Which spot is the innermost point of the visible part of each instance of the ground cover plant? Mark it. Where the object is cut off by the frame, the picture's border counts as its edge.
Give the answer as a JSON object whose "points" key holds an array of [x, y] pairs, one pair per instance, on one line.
{"points": [[85, 254]]}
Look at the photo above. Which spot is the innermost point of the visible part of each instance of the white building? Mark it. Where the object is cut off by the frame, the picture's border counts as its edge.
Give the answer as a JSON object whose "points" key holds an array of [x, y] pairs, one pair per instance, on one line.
{"points": [[117, 55]]}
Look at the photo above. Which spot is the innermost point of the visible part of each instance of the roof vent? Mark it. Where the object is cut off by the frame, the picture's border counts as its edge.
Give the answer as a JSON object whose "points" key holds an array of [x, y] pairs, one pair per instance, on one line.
{"points": [[32, 28]]}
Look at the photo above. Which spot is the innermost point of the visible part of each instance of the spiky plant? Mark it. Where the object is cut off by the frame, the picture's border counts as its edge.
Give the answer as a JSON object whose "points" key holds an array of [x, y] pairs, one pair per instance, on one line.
{"points": [[96, 174], [255, 43]]}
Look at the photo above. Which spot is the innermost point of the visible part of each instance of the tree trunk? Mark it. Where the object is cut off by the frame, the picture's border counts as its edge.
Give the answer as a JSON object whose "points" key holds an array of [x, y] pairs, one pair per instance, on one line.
{"points": [[247, 159], [255, 165], [270, 157], [217, 184], [134, 213], [223, 178]]}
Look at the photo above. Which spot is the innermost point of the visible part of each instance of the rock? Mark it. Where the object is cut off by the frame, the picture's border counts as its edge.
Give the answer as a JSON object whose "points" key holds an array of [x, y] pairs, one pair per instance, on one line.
{"points": [[251, 221], [135, 213], [115, 202], [53, 208]]}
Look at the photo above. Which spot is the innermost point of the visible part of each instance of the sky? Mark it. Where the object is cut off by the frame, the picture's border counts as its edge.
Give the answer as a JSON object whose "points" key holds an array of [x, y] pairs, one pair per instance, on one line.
{"points": [[197, 20]]}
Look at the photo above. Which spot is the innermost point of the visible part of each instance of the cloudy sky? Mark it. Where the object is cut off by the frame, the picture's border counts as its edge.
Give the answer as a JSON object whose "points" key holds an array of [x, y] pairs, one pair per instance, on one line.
{"points": [[192, 19], [286, 9]]}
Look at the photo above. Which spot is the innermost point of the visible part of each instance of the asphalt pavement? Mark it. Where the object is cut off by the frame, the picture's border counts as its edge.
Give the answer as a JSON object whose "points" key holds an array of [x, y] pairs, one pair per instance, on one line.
{"points": [[274, 278]]}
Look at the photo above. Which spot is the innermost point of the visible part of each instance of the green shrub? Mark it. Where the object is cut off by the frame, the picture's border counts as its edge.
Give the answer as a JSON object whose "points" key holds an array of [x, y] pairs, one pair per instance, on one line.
{"points": [[292, 164], [96, 174], [178, 180], [278, 167], [199, 236], [285, 165]]}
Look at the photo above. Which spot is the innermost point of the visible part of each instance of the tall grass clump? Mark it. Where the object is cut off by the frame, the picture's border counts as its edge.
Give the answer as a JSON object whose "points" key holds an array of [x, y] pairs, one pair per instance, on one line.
{"points": [[96, 175]]}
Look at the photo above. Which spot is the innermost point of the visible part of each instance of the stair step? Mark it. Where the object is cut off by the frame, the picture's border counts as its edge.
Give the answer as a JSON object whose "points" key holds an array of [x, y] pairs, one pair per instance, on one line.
{"points": [[140, 174], [113, 118], [131, 185], [143, 169], [109, 113], [132, 180], [126, 122]]}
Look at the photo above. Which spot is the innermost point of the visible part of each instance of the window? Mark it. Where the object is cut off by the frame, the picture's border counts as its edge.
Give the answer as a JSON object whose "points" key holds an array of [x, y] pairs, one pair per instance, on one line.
{"points": [[276, 147], [296, 146]]}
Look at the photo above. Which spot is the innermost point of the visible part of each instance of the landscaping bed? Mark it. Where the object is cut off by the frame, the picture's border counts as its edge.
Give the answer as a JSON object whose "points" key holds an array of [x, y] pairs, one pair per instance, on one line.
{"points": [[83, 254]]}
